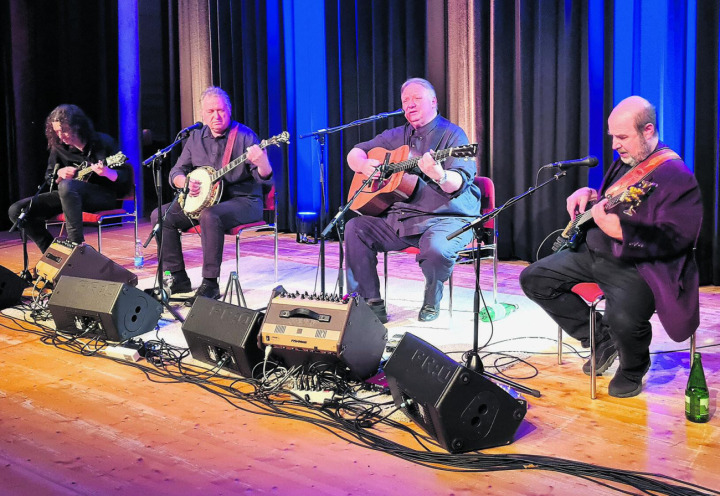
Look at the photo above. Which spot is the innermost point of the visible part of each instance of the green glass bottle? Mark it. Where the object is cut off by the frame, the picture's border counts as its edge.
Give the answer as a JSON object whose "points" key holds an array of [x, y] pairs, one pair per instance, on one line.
{"points": [[496, 311], [697, 397]]}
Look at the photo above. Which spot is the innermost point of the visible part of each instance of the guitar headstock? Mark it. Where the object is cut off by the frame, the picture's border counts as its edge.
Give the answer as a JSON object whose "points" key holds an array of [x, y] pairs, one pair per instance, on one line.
{"points": [[114, 160], [635, 194], [282, 138], [464, 151]]}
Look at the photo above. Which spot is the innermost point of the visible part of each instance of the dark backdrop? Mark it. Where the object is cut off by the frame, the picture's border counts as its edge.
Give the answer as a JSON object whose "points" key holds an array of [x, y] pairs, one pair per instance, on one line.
{"points": [[53, 53]]}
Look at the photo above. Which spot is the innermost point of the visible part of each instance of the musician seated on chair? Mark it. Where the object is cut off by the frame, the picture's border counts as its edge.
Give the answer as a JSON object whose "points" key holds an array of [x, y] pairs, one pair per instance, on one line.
{"points": [[86, 174], [642, 258], [443, 200], [218, 142]]}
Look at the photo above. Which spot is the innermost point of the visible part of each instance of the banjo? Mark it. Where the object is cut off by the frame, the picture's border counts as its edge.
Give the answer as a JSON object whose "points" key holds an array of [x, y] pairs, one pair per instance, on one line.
{"points": [[210, 183]]}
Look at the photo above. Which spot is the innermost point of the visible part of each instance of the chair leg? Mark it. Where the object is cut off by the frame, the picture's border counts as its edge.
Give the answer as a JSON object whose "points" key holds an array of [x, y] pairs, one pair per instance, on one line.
{"points": [[99, 226], [237, 253], [450, 288], [495, 269], [276, 251], [593, 382], [560, 345], [692, 348], [593, 321], [385, 268]]}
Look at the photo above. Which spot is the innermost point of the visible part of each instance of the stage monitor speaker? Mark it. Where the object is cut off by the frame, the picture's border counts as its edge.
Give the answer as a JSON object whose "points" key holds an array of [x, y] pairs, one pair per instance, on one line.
{"points": [[217, 331], [460, 408], [112, 310], [11, 288], [63, 258], [305, 330]]}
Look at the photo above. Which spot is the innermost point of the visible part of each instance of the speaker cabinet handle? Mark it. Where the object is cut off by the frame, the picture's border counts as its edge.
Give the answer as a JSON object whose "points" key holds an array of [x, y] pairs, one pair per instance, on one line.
{"points": [[304, 313]]}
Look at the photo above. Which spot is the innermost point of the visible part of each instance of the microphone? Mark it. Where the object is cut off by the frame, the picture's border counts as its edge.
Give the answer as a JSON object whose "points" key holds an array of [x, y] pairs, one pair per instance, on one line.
{"points": [[197, 125], [390, 114], [589, 161], [186, 189], [51, 178]]}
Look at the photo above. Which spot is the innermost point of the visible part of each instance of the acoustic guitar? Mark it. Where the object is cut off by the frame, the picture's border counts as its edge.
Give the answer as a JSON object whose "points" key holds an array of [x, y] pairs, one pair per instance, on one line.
{"points": [[395, 185]]}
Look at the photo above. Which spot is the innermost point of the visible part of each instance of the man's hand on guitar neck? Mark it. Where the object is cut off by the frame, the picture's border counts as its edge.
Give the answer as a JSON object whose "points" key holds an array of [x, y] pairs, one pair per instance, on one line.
{"points": [[448, 180], [578, 202], [102, 170], [258, 157], [607, 222]]}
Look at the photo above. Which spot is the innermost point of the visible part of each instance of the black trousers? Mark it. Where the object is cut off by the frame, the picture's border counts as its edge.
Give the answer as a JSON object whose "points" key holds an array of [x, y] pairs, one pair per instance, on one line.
{"points": [[71, 197], [213, 221], [628, 308]]}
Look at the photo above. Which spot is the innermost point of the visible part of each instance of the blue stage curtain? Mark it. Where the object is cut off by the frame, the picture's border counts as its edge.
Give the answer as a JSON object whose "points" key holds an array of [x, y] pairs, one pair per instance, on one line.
{"points": [[326, 64], [667, 52]]}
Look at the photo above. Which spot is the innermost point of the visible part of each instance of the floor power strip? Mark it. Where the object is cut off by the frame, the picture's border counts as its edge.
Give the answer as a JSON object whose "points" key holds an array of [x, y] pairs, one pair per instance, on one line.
{"points": [[121, 353]]}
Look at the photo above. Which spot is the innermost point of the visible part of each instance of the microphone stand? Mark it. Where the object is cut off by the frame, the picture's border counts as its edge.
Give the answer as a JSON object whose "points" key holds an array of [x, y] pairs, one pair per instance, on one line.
{"points": [[20, 224], [473, 361], [155, 162], [341, 211], [319, 136]]}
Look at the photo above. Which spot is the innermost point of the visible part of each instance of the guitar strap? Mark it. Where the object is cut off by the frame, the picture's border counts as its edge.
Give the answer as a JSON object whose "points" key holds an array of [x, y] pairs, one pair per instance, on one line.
{"points": [[642, 170], [229, 145]]}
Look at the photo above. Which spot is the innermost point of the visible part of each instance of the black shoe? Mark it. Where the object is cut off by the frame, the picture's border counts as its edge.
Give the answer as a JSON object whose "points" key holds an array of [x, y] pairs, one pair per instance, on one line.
{"points": [[207, 290], [378, 308], [605, 355], [179, 285], [624, 386], [428, 313]]}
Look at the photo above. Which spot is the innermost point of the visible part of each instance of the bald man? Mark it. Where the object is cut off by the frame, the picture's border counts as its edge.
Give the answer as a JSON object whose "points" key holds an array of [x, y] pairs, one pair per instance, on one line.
{"points": [[642, 260]]}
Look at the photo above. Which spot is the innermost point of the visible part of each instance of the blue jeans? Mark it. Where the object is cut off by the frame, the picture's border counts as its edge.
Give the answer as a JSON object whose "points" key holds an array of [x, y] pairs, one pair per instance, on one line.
{"points": [[366, 236]]}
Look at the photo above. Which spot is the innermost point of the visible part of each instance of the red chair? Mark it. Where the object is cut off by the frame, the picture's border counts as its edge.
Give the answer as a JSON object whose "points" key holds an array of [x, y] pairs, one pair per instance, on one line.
{"points": [[269, 221], [487, 243], [593, 295], [106, 218]]}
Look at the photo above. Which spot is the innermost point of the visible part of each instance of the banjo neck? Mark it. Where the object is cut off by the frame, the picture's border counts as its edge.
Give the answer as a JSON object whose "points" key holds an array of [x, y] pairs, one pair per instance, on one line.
{"points": [[215, 176]]}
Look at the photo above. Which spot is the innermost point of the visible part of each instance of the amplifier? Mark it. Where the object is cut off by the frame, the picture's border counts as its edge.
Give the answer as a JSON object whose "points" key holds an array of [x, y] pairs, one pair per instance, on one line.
{"points": [[69, 259], [306, 329]]}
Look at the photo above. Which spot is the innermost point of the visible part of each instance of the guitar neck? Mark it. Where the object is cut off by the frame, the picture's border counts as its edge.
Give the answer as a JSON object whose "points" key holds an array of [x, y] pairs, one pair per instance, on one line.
{"points": [[587, 214], [440, 156], [84, 171]]}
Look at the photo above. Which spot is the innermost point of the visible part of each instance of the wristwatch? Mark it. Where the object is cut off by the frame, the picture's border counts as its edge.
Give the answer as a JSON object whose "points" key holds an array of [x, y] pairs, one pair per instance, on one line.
{"points": [[442, 180]]}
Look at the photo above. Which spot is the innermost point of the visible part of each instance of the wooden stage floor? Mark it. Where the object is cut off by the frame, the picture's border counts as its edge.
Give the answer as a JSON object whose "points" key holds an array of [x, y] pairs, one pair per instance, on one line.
{"points": [[75, 425]]}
